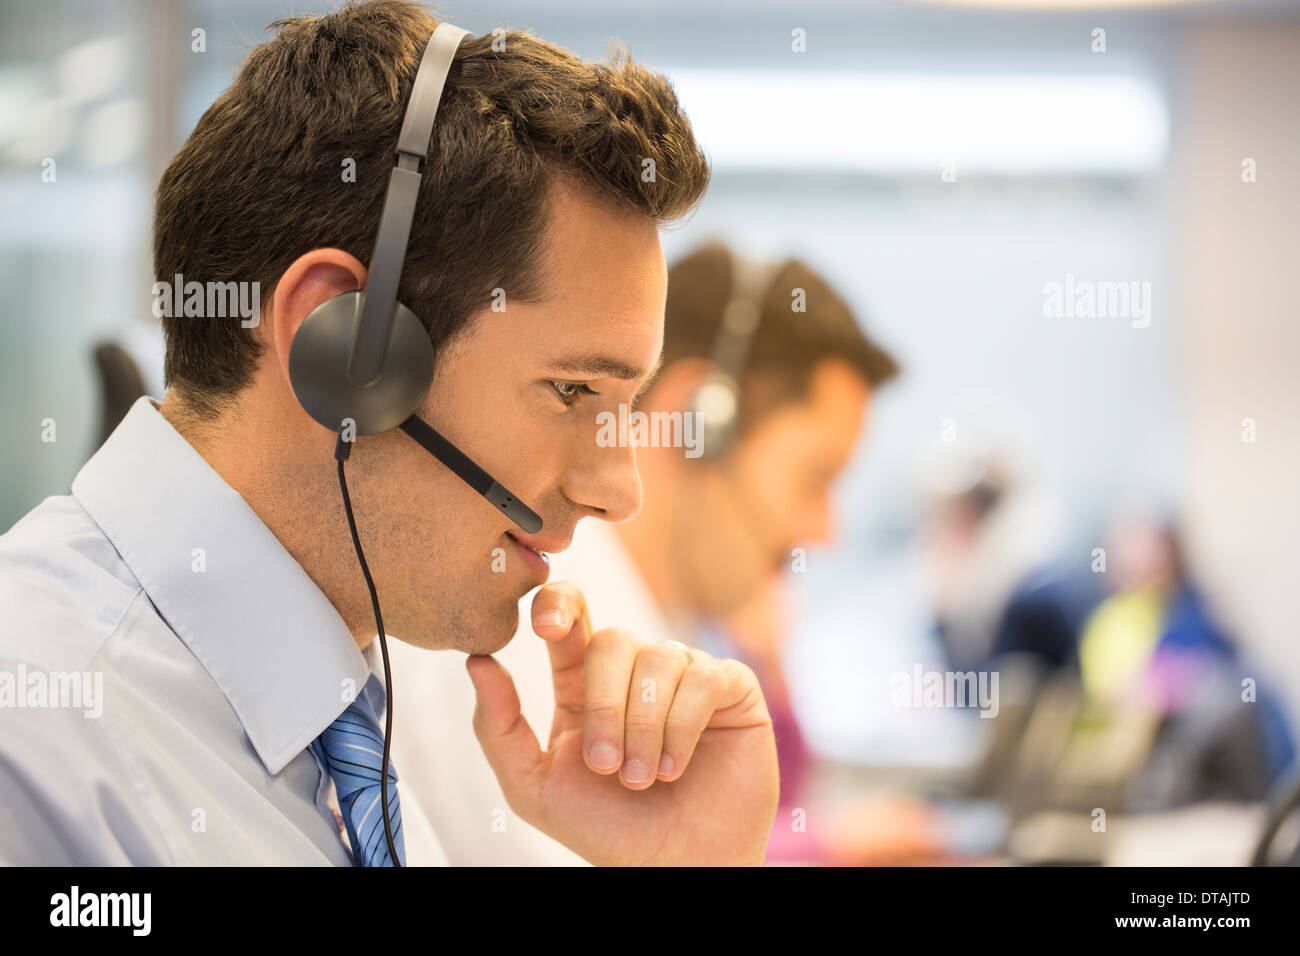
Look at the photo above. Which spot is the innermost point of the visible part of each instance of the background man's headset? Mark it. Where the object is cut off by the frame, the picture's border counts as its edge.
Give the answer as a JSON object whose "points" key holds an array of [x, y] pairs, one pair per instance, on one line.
{"points": [[363, 359], [716, 401]]}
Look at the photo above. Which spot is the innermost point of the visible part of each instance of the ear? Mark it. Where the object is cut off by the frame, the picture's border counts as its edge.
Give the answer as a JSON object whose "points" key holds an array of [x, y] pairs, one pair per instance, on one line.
{"points": [[311, 279]]}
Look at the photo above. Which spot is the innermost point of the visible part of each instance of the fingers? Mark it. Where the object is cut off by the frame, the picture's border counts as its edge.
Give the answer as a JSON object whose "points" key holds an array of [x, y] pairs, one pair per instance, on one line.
{"points": [[648, 703], [713, 692], [559, 617], [656, 675], [611, 656], [641, 706], [689, 715], [507, 740]]}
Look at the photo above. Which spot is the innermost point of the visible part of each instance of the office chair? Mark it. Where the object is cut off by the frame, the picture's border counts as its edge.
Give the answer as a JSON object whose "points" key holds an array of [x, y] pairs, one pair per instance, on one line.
{"points": [[120, 385]]}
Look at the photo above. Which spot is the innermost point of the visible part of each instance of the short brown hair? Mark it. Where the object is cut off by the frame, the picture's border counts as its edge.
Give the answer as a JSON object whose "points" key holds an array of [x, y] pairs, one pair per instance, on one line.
{"points": [[259, 181], [787, 345]]}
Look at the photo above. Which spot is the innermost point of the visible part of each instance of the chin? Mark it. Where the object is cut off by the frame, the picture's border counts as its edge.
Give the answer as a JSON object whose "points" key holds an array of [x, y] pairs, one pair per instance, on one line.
{"points": [[494, 631], [732, 596]]}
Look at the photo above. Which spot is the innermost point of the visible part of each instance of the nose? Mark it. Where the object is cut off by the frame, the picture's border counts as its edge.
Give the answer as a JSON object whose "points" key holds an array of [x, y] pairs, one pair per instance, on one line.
{"points": [[607, 482]]}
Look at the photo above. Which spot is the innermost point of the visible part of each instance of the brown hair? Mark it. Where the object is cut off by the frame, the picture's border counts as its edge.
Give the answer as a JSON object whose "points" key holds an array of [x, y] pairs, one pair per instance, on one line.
{"points": [[787, 345], [259, 182]]}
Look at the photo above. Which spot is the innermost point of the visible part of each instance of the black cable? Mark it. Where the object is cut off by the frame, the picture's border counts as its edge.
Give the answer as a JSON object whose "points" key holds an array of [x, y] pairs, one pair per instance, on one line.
{"points": [[341, 452]]}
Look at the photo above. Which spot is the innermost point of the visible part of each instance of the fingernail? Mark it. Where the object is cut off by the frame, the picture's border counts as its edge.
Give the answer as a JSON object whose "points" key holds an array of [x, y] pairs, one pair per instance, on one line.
{"points": [[549, 619], [635, 771], [603, 756], [665, 765]]}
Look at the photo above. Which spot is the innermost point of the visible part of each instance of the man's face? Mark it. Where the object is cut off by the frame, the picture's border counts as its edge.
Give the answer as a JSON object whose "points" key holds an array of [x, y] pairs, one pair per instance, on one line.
{"points": [[770, 494], [453, 567]]}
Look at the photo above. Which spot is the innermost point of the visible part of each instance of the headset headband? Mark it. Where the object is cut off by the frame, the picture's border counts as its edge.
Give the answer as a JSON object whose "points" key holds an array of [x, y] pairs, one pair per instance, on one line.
{"points": [[742, 314], [379, 298]]}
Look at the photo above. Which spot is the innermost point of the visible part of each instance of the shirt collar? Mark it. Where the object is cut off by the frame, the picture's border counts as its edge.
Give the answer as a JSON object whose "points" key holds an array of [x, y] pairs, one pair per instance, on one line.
{"points": [[259, 625]]}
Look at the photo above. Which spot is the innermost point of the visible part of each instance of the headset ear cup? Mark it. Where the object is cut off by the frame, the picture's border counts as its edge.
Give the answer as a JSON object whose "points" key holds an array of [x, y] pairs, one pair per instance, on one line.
{"points": [[715, 406], [319, 359]]}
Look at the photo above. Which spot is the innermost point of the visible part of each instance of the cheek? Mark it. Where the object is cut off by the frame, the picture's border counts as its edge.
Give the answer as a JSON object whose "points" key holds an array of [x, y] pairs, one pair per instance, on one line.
{"points": [[551, 459], [775, 486], [438, 524]]}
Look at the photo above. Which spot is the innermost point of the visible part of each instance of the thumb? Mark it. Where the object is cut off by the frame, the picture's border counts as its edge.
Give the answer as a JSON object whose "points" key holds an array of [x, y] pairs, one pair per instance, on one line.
{"points": [[508, 742]]}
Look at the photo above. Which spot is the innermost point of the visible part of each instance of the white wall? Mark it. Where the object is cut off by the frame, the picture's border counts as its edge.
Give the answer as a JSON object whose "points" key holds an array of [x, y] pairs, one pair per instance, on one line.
{"points": [[1238, 250]]}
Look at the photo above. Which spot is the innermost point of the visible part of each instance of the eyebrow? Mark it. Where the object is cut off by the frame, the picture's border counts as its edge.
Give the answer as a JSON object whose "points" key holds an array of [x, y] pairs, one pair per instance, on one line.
{"points": [[606, 366]]}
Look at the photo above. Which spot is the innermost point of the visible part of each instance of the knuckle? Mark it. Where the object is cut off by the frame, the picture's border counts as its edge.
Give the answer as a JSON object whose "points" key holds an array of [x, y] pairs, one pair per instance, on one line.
{"points": [[678, 723], [605, 709], [642, 721], [708, 676], [743, 672], [660, 656]]}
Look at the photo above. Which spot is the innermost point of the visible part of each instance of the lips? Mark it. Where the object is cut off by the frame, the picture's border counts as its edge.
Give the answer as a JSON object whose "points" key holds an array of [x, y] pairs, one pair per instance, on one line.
{"points": [[544, 545], [534, 558]]}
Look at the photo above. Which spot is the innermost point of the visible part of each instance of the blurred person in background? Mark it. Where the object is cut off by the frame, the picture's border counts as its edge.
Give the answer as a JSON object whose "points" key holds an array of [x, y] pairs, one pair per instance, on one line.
{"points": [[702, 562], [1003, 601], [991, 550], [870, 826], [1153, 647]]}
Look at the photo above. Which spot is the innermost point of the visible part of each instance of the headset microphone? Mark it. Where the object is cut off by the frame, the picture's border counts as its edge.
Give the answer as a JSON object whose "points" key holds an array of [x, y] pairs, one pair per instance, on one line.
{"points": [[364, 359], [474, 476]]}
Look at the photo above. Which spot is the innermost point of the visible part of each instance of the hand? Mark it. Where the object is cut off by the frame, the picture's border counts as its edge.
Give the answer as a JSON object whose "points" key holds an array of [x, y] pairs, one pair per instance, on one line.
{"points": [[623, 705]]}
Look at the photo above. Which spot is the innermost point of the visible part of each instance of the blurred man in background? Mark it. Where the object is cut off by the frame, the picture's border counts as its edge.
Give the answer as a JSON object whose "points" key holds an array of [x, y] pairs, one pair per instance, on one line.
{"points": [[771, 363]]}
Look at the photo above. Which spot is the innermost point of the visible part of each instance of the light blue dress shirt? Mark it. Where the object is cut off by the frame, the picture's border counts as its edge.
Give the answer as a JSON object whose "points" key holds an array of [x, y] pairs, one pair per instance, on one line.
{"points": [[164, 666]]}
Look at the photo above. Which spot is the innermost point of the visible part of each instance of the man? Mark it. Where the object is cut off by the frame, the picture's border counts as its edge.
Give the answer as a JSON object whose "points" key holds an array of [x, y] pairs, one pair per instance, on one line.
{"points": [[203, 569], [701, 562]]}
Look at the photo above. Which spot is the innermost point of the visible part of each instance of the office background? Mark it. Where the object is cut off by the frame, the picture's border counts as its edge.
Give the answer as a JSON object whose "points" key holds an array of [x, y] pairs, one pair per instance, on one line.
{"points": [[1123, 165]]}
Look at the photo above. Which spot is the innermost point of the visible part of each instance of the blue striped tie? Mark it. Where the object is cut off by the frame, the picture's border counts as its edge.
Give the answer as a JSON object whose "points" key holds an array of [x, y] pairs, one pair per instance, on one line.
{"points": [[353, 749]]}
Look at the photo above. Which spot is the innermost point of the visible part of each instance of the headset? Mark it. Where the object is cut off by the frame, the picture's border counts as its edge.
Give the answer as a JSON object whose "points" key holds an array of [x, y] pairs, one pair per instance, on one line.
{"points": [[715, 404], [361, 362]]}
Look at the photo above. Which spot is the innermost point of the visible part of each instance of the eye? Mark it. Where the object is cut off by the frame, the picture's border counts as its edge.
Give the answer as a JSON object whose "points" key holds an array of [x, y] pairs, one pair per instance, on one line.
{"points": [[570, 392]]}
